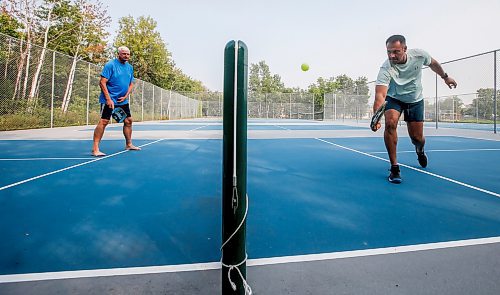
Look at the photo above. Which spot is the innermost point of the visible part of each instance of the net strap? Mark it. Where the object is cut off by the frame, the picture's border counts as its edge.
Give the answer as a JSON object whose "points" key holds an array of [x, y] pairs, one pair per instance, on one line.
{"points": [[248, 290]]}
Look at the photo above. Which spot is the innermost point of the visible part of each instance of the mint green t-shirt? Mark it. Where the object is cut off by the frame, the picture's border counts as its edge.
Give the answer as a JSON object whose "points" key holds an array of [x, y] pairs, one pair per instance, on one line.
{"points": [[405, 80]]}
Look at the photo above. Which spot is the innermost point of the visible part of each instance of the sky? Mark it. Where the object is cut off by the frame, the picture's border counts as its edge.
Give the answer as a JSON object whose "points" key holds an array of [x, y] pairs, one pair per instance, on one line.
{"points": [[333, 37]]}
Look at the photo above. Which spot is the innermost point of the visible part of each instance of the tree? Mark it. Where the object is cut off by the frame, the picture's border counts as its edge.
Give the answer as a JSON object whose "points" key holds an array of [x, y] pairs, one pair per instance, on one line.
{"points": [[23, 11], [451, 108], [11, 27], [320, 88], [149, 55], [484, 103], [361, 86], [72, 32], [87, 30], [46, 21], [8, 24], [261, 80]]}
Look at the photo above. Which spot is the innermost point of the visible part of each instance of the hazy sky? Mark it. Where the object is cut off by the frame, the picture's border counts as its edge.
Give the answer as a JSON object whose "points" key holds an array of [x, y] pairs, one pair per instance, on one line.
{"points": [[333, 37]]}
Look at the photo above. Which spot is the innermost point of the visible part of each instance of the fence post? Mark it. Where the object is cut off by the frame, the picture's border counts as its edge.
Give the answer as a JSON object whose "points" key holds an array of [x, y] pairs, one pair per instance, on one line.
{"points": [[142, 101], [436, 102], [334, 106], [88, 93], [343, 111], [477, 109], [495, 93], [52, 90], [453, 108], [267, 108], [161, 103], [324, 106], [168, 105], [314, 113], [220, 104]]}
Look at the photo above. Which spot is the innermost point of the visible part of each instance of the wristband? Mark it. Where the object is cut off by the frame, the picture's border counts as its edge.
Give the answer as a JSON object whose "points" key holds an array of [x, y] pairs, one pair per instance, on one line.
{"points": [[444, 76]]}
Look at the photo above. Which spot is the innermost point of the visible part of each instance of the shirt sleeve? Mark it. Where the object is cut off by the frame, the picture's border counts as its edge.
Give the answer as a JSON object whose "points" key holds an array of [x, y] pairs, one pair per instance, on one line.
{"points": [[107, 71], [425, 55], [383, 77], [132, 79]]}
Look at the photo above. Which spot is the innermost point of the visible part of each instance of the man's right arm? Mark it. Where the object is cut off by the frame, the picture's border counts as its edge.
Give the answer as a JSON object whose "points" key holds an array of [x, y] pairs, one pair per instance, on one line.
{"points": [[104, 89], [381, 86], [380, 94]]}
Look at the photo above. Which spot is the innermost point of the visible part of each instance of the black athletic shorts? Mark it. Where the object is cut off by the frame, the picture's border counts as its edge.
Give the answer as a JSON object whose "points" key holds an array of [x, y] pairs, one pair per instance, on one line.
{"points": [[413, 112], [106, 111]]}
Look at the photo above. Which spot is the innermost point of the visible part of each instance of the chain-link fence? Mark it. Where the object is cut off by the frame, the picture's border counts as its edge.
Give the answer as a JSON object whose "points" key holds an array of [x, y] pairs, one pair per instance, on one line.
{"points": [[350, 107], [283, 106], [264, 105], [473, 103], [40, 88]]}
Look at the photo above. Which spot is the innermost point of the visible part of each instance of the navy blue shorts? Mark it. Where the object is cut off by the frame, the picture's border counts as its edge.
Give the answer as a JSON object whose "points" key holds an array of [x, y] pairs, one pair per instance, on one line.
{"points": [[413, 112], [106, 111]]}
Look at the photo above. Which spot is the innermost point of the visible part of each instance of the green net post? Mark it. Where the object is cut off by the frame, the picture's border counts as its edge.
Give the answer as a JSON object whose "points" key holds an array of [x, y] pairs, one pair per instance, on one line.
{"points": [[234, 174]]}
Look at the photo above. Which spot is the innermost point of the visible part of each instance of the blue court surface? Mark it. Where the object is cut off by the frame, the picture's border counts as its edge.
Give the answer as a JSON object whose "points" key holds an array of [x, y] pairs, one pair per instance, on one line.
{"points": [[63, 210]]}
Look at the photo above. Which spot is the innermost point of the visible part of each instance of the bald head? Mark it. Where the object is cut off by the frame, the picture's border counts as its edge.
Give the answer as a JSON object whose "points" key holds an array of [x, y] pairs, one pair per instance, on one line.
{"points": [[123, 49], [123, 54]]}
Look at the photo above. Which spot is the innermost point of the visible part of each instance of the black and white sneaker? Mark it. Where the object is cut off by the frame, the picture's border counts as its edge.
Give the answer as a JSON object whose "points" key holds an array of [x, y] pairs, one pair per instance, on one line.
{"points": [[422, 157], [395, 176]]}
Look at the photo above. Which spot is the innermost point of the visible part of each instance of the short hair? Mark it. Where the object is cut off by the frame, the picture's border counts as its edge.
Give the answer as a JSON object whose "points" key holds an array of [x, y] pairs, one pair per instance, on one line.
{"points": [[123, 48], [396, 38]]}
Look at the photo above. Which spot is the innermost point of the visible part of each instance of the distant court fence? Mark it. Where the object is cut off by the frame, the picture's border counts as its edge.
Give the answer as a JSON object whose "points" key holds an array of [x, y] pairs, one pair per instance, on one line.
{"points": [[474, 103], [40, 88]]}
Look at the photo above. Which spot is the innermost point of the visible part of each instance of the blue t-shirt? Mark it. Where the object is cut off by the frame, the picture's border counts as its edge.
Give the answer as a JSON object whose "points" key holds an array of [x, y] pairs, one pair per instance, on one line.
{"points": [[404, 80], [120, 76]]}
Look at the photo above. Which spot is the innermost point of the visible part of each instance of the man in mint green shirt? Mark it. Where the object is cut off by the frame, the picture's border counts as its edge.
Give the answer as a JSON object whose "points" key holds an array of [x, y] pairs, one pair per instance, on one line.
{"points": [[399, 83]]}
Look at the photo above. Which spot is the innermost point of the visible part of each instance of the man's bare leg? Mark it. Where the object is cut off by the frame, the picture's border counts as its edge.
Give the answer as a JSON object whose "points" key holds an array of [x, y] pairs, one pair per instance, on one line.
{"points": [[98, 133], [391, 134], [127, 132], [416, 132]]}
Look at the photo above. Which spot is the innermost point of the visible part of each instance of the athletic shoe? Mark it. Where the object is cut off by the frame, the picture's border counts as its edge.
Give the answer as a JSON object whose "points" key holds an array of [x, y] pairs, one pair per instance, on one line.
{"points": [[422, 157], [395, 176]]}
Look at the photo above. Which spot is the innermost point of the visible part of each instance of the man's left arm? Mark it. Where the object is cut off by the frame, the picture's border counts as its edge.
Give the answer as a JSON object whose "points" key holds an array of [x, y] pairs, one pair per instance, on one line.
{"points": [[438, 69]]}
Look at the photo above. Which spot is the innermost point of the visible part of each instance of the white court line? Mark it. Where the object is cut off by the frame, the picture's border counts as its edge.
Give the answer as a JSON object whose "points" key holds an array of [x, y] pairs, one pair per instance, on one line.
{"points": [[107, 272], [251, 262], [427, 151], [480, 138], [281, 127], [42, 159], [371, 252], [60, 170], [415, 169], [80, 164]]}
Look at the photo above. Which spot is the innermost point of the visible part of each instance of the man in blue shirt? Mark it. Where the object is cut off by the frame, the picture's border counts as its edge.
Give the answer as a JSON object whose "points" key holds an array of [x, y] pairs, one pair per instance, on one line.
{"points": [[116, 84], [399, 83]]}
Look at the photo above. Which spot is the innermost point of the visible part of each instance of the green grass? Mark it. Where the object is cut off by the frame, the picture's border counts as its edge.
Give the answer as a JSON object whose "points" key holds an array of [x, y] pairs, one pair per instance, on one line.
{"points": [[41, 119]]}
